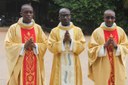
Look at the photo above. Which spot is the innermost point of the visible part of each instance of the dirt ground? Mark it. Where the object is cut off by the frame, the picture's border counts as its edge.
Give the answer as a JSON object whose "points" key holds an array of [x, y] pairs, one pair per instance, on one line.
{"points": [[48, 63]]}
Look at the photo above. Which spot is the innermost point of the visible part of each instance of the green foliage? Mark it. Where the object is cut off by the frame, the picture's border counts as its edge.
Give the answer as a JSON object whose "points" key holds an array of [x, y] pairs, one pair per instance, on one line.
{"points": [[125, 4], [88, 14]]}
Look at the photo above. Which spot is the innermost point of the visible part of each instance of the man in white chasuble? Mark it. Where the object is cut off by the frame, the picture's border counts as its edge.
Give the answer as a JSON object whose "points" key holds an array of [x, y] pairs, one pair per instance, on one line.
{"points": [[66, 42]]}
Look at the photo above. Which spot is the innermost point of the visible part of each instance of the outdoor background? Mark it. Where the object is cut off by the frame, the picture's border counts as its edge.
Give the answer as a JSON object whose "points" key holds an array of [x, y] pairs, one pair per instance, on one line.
{"points": [[48, 57], [87, 14]]}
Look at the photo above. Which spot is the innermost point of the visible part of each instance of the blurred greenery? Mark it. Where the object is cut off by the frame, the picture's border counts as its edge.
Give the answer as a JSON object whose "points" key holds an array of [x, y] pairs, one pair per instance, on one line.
{"points": [[88, 14]]}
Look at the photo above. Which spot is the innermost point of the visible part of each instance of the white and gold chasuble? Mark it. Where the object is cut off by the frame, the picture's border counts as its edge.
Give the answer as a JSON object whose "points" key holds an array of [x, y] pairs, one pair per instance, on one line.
{"points": [[66, 68]]}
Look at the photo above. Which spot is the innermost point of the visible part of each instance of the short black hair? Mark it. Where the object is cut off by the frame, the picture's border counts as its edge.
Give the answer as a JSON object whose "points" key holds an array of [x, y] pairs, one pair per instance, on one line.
{"points": [[64, 9], [22, 7], [109, 10]]}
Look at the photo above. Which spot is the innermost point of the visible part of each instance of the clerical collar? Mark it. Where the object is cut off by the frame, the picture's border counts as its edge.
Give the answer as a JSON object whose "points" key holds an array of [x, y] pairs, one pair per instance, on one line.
{"points": [[26, 25], [29, 24], [103, 26], [107, 26], [65, 26]]}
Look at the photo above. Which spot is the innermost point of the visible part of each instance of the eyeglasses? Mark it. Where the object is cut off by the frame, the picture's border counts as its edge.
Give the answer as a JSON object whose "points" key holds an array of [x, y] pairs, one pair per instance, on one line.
{"points": [[65, 15], [110, 17]]}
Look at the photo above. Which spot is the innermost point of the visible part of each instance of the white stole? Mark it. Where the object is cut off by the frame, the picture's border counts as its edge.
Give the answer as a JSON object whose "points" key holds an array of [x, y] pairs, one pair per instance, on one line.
{"points": [[67, 61]]}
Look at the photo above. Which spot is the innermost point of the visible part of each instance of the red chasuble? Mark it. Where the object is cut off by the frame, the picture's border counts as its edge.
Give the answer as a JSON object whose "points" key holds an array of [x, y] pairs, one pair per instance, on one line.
{"points": [[30, 61], [110, 49]]}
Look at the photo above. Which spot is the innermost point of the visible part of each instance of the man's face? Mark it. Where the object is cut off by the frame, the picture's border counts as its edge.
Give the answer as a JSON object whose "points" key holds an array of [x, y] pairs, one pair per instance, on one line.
{"points": [[65, 17], [27, 14], [109, 19]]}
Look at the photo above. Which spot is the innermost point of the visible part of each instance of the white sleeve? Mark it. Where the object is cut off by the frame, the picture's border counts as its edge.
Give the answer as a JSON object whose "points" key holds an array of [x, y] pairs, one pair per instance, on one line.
{"points": [[118, 52], [71, 46], [102, 52], [22, 50], [36, 49]]}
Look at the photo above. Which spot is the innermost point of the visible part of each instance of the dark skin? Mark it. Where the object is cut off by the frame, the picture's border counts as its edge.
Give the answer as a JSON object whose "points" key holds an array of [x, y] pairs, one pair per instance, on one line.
{"points": [[110, 42], [29, 45], [65, 17], [109, 19], [67, 37], [27, 14]]}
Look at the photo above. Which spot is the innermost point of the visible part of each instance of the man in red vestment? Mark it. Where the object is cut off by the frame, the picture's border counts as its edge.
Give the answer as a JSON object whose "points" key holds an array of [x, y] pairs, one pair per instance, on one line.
{"points": [[108, 48], [25, 46]]}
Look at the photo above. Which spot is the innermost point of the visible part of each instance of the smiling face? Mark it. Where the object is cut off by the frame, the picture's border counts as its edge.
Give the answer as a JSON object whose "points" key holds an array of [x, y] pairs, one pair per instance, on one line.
{"points": [[64, 16], [109, 17], [27, 13]]}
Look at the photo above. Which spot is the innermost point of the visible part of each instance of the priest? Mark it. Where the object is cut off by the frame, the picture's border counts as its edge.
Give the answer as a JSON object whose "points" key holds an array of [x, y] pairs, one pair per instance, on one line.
{"points": [[25, 46], [107, 51], [66, 42]]}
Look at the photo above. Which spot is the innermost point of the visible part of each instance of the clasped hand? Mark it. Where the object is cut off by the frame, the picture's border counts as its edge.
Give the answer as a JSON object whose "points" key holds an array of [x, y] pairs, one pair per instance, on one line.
{"points": [[29, 45], [67, 37], [110, 42]]}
